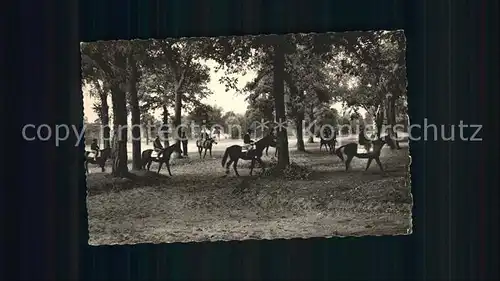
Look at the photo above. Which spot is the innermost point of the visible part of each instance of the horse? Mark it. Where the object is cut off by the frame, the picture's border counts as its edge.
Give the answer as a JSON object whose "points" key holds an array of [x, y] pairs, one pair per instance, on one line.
{"points": [[235, 153], [148, 157], [328, 142], [205, 144], [275, 145], [347, 152], [100, 161]]}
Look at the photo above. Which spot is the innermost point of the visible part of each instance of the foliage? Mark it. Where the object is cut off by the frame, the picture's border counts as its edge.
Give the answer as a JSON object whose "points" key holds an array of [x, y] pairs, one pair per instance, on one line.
{"points": [[361, 69], [236, 124], [175, 67], [374, 61], [327, 115], [206, 114]]}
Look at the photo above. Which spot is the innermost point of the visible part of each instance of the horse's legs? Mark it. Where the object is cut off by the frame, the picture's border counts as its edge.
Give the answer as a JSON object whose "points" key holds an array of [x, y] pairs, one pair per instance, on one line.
{"points": [[86, 167], [369, 163], [261, 163], [228, 164], [348, 162], [379, 164], [235, 164], [204, 155], [200, 150], [159, 166], [168, 167], [210, 149], [252, 165], [149, 164]]}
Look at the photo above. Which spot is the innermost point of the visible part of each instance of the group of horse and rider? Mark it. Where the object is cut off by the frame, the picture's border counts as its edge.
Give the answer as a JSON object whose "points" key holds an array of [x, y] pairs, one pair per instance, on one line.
{"points": [[160, 153], [250, 150]]}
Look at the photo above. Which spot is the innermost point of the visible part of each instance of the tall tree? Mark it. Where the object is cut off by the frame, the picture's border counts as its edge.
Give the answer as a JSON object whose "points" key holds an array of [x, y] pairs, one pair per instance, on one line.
{"points": [[178, 78], [376, 61], [110, 57], [135, 111], [307, 85], [95, 80], [237, 54], [181, 56]]}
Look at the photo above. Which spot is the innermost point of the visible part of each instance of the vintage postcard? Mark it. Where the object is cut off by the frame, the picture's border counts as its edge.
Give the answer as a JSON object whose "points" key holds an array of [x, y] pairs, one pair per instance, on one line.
{"points": [[252, 137]]}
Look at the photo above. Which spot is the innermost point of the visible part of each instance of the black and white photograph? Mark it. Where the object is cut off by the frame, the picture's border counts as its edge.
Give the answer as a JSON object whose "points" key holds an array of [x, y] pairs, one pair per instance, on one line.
{"points": [[246, 138]]}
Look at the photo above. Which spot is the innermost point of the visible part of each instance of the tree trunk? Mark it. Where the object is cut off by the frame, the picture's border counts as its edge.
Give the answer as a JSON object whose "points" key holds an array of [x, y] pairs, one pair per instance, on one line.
{"points": [[279, 99], [106, 131], [391, 118], [120, 168], [136, 116], [166, 143], [311, 130], [379, 121], [300, 134], [177, 119]]}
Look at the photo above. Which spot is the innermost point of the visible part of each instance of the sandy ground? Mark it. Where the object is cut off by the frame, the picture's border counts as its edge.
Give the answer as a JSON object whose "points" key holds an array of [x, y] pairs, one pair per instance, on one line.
{"points": [[198, 203]]}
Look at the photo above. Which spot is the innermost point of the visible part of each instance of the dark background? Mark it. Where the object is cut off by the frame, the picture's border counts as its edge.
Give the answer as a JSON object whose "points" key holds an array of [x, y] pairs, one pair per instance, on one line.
{"points": [[452, 59]]}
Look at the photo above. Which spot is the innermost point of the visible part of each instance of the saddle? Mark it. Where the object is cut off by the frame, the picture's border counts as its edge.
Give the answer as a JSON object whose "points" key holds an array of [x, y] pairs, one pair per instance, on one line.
{"points": [[154, 154], [362, 150], [247, 147]]}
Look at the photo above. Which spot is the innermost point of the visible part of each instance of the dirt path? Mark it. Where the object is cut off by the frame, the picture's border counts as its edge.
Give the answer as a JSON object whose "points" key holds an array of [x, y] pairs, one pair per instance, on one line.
{"points": [[198, 204]]}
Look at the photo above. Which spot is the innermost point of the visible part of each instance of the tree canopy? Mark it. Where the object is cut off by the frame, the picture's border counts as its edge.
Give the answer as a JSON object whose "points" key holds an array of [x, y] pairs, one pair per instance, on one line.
{"points": [[298, 78]]}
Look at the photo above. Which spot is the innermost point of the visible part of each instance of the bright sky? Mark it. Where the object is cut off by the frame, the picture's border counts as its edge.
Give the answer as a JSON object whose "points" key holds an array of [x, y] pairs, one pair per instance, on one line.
{"points": [[229, 101]]}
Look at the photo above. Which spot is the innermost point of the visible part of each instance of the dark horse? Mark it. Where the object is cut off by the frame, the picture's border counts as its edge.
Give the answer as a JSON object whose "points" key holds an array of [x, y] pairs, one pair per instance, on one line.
{"points": [[235, 153], [100, 161], [205, 144], [147, 159], [329, 141], [347, 152], [275, 145]]}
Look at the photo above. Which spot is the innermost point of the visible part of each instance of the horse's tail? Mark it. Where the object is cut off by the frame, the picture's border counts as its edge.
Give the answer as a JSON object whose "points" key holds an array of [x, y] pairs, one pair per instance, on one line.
{"points": [[144, 158], [224, 158]]}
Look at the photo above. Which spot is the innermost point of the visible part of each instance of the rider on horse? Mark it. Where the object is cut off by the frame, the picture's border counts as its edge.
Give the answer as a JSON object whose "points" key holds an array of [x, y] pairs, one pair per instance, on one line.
{"points": [[204, 136], [157, 146], [247, 140], [362, 140], [94, 147]]}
